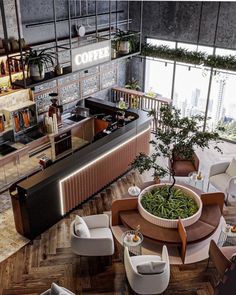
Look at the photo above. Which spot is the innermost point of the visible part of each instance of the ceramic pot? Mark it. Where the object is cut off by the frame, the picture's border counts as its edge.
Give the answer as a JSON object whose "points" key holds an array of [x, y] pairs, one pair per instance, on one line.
{"points": [[123, 47], [35, 75]]}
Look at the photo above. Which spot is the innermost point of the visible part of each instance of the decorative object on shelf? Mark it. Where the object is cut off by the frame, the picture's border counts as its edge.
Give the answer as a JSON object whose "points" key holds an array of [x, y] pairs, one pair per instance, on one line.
{"points": [[80, 29], [2, 122], [14, 45], [122, 104], [3, 69], [227, 62], [179, 138], [233, 229], [58, 70], [36, 62]]}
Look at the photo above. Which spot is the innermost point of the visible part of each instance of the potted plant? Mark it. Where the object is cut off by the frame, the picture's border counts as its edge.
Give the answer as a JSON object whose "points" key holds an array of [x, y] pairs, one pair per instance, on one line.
{"points": [[133, 84], [179, 136], [36, 61], [126, 42]]}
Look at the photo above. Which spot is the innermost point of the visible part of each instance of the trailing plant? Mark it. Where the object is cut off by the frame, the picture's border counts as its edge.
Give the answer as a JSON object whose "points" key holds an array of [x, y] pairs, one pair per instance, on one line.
{"points": [[179, 137], [195, 57], [39, 58], [157, 203]]}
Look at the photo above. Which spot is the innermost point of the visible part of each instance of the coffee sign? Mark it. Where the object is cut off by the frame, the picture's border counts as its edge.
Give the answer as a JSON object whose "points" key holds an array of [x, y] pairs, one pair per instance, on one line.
{"points": [[91, 55]]}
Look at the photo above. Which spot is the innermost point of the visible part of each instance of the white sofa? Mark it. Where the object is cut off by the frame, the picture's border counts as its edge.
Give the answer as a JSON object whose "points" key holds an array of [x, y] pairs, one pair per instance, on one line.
{"points": [[222, 178], [100, 242], [147, 283]]}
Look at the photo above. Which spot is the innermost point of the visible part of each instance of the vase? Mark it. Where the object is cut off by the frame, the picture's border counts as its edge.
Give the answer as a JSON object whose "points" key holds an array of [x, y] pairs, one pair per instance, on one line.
{"points": [[123, 47], [35, 74]]}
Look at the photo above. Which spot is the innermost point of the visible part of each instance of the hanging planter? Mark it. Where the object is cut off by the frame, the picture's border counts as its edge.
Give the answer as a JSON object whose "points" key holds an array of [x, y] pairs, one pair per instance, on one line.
{"points": [[227, 62]]}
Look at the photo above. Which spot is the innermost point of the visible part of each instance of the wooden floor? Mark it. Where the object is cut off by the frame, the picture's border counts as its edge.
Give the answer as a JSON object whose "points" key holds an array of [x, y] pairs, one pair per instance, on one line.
{"points": [[49, 259]]}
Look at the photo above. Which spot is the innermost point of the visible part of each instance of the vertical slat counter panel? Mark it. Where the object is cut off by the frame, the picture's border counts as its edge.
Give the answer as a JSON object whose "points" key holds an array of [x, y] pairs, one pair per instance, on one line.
{"points": [[86, 182]]}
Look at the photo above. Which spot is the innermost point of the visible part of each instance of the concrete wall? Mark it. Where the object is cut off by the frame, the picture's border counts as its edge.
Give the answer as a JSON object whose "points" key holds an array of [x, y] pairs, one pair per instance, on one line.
{"points": [[41, 10], [10, 12], [180, 21]]}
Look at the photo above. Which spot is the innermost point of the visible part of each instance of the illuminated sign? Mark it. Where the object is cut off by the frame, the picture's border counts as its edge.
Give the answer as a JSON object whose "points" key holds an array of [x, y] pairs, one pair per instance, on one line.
{"points": [[91, 55]]}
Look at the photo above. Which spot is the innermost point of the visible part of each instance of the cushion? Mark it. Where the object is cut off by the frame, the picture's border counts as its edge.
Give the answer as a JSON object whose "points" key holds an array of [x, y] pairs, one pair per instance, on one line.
{"points": [[151, 267], [57, 290], [231, 170], [81, 228], [220, 181], [183, 168]]}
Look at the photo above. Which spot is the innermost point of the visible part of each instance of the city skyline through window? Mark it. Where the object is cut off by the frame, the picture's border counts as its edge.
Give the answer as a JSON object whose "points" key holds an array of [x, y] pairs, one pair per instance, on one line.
{"points": [[191, 85]]}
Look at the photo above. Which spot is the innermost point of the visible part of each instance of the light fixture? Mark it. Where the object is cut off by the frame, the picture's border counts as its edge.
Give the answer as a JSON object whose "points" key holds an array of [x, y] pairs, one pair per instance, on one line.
{"points": [[90, 164]]}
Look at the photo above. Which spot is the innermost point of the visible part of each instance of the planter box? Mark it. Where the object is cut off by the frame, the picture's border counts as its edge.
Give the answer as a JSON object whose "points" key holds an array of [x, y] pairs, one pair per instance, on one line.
{"points": [[170, 223]]}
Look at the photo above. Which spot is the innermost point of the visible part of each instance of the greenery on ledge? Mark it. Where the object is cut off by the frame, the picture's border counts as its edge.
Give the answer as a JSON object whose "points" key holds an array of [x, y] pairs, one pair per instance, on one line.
{"points": [[157, 203], [227, 62]]}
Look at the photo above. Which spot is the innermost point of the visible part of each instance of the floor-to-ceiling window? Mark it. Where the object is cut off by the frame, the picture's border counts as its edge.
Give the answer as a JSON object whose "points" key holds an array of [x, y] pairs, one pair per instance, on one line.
{"points": [[188, 86]]}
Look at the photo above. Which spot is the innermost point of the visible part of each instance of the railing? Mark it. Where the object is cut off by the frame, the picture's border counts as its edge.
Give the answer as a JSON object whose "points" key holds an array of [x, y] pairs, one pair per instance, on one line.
{"points": [[138, 100]]}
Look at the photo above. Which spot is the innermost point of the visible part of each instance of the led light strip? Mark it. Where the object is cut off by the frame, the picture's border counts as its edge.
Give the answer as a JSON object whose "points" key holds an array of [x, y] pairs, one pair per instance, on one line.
{"points": [[91, 163]]}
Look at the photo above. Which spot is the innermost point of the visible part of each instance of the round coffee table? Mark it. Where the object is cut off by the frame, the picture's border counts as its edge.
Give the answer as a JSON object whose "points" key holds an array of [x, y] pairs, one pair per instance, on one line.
{"points": [[227, 238]]}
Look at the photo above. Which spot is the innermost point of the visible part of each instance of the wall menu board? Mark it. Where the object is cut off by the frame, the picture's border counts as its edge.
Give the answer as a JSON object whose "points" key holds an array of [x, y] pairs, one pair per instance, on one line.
{"points": [[108, 76], [76, 86], [41, 96]]}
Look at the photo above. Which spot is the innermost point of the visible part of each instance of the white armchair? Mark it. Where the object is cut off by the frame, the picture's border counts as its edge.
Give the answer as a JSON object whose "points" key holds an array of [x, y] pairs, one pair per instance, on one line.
{"points": [[55, 289], [221, 179], [147, 283], [99, 243]]}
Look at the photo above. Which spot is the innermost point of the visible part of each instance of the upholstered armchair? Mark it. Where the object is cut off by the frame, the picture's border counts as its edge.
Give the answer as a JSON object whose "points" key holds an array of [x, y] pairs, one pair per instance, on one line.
{"points": [[223, 177], [183, 167], [152, 283], [95, 237]]}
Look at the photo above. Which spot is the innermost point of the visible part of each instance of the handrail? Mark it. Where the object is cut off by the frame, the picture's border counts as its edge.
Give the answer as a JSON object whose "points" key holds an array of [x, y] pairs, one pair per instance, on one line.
{"points": [[139, 100]]}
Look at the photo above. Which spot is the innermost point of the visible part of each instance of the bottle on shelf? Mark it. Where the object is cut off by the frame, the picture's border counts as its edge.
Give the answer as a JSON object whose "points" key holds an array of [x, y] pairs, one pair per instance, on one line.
{"points": [[2, 125], [3, 68], [16, 122]]}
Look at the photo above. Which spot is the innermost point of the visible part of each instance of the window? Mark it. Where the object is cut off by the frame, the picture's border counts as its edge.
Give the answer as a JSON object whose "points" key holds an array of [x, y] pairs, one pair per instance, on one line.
{"points": [[191, 85], [190, 91]]}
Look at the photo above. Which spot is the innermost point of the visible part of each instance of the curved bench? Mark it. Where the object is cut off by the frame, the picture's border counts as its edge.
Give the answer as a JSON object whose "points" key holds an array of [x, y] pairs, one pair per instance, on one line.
{"points": [[125, 211]]}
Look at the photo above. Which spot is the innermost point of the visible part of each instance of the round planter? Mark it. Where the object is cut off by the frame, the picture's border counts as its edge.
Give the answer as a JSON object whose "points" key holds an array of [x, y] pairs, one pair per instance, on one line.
{"points": [[170, 223], [35, 74], [123, 47]]}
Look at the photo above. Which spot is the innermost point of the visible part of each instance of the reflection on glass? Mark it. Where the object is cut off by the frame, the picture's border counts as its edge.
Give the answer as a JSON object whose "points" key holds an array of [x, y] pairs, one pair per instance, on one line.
{"points": [[158, 78], [190, 92], [222, 104]]}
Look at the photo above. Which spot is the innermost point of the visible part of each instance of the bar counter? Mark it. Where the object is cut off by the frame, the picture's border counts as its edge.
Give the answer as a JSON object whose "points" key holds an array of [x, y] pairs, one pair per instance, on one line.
{"points": [[44, 198]]}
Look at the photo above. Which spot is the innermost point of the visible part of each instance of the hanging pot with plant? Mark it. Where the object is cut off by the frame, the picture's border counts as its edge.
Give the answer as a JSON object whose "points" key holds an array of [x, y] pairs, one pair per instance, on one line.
{"points": [[36, 61]]}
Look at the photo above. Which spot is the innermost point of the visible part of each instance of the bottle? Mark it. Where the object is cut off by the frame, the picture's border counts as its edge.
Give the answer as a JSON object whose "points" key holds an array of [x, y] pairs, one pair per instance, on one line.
{"points": [[16, 66], [3, 69], [16, 122], [2, 127], [26, 118]]}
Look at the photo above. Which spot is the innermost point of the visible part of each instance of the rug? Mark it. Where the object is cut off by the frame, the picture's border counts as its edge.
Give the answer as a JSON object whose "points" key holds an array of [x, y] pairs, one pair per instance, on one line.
{"points": [[5, 201], [195, 253], [10, 240]]}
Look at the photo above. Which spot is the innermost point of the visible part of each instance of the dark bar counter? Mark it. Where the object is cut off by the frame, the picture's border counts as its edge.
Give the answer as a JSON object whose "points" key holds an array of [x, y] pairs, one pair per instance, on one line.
{"points": [[44, 198]]}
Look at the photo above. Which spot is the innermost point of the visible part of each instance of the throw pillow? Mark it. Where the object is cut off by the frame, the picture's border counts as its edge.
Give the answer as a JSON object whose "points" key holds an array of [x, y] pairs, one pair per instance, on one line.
{"points": [[81, 228], [57, 290], [158, 266], [231, 170], [152, 267]]}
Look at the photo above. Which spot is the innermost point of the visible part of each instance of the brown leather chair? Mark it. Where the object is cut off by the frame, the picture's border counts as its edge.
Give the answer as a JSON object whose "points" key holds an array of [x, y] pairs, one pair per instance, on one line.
{"points": [[220, 256], [183, 167]]}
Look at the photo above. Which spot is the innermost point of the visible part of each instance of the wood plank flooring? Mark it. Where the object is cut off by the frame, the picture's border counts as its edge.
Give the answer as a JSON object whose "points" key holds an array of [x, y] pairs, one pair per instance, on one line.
{"points": [[49, 259]]}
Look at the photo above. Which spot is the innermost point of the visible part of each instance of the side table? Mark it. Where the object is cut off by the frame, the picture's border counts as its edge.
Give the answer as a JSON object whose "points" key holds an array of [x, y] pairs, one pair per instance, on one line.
{"points": [[135, 248], [226, 238], [193, 180]]}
